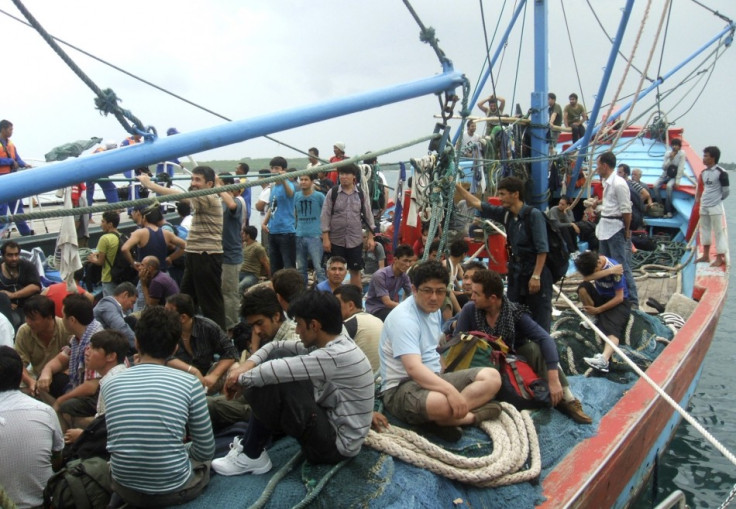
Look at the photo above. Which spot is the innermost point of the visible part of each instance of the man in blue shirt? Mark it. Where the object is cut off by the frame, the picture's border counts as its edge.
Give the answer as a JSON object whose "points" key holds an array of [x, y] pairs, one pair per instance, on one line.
{"points": [[233, 218], [606, 298], [529, 280], [308, 231], [282, 225]]}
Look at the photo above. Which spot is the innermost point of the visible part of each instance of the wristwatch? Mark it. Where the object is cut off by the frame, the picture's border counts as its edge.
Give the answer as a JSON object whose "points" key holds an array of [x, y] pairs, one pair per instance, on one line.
{"points": [[534, 276]]}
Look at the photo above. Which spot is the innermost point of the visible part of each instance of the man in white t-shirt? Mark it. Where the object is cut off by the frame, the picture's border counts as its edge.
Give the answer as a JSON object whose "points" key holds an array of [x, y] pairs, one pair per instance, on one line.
{"points": [[262, 204], [31, 437]]}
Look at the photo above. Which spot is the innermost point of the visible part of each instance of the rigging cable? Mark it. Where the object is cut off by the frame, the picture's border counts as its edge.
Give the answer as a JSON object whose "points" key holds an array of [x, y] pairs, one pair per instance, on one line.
{"points": [[518, 57], [488, 54], [668, 4], [488, 46], [153, 85], [661, 56], [604, 130], [106, 100], [572, 51], [603, 29]]}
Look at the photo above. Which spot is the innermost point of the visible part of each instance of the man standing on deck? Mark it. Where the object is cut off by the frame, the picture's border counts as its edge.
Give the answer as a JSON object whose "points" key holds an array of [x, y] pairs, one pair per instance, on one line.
{"points": [[613, 230], [712, 190], [204, 245], [10, 162], [345, 210], [233, 218], [282, 222], [574, 116], [555, 120], [529, 279]]}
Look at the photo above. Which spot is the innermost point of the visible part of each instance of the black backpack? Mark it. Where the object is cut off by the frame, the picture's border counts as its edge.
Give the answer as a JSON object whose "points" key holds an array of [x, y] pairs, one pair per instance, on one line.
{"points": [[120, 270], [558, 256]]}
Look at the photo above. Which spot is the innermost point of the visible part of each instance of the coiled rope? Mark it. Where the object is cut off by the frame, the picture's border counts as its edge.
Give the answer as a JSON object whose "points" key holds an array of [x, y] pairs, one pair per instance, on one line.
{"points": [[515, 443]]}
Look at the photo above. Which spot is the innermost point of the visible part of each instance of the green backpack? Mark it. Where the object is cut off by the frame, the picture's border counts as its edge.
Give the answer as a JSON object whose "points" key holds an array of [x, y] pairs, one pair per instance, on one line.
{"points": [[82, 484]]}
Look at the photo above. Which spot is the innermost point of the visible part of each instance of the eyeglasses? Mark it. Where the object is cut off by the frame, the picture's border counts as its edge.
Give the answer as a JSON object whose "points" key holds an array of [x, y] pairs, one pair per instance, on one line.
{"points": [[429, 291]]}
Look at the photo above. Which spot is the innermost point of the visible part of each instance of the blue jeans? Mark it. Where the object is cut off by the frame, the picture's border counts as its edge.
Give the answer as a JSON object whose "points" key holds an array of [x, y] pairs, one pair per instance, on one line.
{"points": [[16, 207], [247, 279], [310, 247], [618, 247], [111, 192], [282, 251]]}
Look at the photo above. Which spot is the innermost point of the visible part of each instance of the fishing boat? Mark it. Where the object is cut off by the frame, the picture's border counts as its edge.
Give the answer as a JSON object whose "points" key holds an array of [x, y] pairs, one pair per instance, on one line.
{"points": [[603, 465]]}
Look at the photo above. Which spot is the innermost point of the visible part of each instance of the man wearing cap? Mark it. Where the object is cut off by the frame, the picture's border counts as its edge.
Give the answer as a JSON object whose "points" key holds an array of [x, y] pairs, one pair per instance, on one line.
{"points": [[339, 150], [344, 213], [169, 166]]}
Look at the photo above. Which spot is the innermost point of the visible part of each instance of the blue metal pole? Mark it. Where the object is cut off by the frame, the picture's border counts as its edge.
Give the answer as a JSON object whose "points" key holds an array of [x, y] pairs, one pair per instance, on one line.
{"points": [[499, 49], [62, 174], [540, 177], [601, 92], [662, 79]]}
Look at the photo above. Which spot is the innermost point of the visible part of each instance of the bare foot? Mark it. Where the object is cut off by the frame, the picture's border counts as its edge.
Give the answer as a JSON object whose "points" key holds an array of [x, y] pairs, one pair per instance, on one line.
{"points": [[718, 262], [702, 259]]}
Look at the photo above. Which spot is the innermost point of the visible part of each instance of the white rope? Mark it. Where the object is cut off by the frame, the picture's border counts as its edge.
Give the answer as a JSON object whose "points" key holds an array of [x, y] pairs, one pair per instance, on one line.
{"points": [[514, 443]]}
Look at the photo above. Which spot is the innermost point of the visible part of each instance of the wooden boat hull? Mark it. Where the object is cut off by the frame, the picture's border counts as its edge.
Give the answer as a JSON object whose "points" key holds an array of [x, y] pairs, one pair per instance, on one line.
{"points": [[598, 472]]}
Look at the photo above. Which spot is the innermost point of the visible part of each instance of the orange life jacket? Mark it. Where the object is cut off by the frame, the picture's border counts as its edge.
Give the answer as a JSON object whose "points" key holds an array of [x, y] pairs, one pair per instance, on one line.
{"points": [[7, 151]]}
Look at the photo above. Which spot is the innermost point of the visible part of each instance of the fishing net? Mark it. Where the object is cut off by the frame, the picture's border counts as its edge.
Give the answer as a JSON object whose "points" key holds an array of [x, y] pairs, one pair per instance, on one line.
{"points": [[642, 343]]}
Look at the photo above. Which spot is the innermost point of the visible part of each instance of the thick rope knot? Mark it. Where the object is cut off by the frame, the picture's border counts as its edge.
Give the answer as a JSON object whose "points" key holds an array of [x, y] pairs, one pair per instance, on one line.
{"points": [[107, 101], [428, 35]]}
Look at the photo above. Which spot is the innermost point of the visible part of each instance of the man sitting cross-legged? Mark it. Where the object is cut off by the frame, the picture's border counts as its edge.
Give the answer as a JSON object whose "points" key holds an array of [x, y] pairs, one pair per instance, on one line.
{"points": [[413, 388], [493, 313], [606, 299], [318, 390], [150, 410]]}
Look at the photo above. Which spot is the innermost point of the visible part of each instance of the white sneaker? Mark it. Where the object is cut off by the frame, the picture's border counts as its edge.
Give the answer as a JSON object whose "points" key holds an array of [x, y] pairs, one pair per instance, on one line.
{"points": [[237, 462], [597, 362]]}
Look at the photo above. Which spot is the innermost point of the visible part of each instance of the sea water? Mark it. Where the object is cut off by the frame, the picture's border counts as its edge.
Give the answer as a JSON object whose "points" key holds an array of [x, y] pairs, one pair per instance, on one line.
{"points": [[691, 463]]}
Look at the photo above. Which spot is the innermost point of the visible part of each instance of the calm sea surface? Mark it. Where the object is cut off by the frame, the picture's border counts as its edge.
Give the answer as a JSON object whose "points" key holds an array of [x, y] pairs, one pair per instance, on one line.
{"points": [[691, 463]]}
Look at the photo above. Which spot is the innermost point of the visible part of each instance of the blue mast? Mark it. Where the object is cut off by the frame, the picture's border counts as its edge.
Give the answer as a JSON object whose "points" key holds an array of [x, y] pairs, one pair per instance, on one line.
{"points": [[540, 179], [66, 173], [499, 49]]}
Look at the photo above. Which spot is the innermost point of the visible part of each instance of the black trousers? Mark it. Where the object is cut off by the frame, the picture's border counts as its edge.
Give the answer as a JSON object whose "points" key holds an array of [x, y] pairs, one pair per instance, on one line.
{"points": [[290, 409], [203, 282]]}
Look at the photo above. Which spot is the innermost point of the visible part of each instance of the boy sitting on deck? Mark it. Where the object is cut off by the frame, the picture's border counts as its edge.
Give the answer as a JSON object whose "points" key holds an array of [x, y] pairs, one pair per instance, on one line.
{"points": [[607, 298]]}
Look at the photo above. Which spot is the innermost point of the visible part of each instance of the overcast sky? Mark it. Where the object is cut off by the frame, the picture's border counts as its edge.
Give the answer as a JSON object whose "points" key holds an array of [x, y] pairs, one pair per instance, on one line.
{"points": [[245, 58]]}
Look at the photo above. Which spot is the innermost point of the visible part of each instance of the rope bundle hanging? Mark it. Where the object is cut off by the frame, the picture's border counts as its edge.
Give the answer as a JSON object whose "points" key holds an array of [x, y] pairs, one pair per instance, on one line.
{"points": [[515, 444], [106, 100]]}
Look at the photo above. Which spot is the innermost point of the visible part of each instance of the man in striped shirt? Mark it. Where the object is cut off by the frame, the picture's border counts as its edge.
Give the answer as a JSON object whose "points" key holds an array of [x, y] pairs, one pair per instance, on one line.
{"points": [[149, 409], [318, 390]]}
